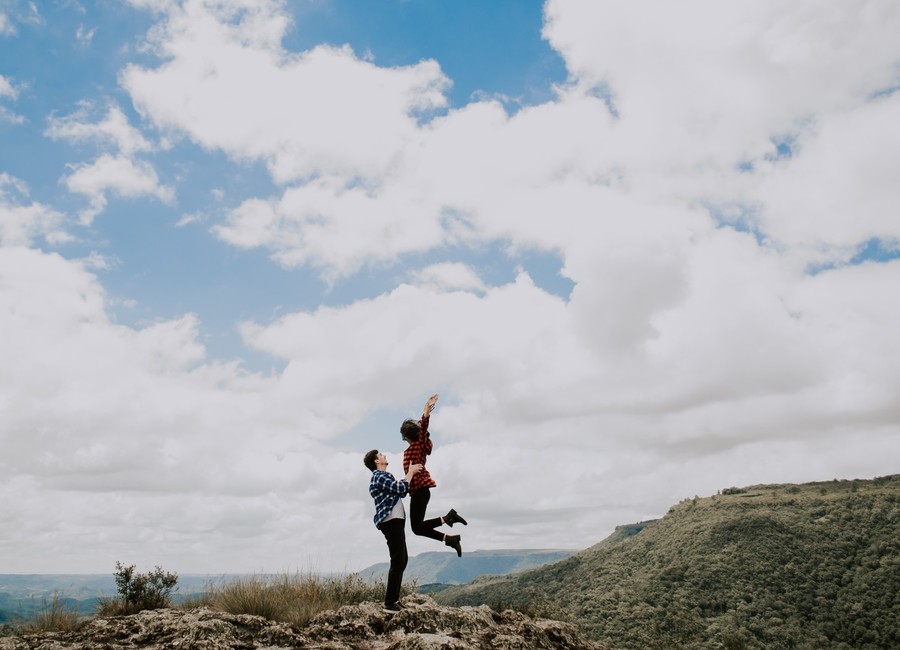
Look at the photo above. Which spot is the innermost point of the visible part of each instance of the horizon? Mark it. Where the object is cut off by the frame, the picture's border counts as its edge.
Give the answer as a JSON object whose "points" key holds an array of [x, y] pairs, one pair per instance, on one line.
{"points": [[642, 254]]}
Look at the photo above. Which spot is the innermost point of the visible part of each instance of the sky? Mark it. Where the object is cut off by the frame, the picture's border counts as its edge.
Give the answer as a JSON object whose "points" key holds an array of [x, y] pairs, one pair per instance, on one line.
{"points": [[643, 252]]}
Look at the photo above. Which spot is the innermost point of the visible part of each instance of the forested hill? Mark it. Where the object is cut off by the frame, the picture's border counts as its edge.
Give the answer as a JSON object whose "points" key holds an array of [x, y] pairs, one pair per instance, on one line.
{"points": [[815, 565]]}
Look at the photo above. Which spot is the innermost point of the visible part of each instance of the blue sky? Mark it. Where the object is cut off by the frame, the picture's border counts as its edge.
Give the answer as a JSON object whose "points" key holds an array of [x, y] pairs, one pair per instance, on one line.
{"points": [[196, 273], [642, 255]]}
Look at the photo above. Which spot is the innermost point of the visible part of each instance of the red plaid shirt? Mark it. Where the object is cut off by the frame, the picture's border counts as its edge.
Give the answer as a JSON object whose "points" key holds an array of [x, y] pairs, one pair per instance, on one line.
{"points": [[415, 455]]}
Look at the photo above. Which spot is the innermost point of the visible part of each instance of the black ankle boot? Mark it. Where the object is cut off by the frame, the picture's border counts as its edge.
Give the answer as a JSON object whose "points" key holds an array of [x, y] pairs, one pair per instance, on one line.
{"points": [[453, 517], [453, 542]]}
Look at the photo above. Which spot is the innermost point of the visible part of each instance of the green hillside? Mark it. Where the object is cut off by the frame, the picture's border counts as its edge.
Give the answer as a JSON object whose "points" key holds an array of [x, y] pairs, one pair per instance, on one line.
{"points": [[769, 566]]}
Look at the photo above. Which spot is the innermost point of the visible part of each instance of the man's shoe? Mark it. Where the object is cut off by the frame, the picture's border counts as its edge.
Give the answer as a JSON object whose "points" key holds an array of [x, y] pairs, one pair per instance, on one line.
{"points": [[453, 517], [453, 542], [393, 608]]}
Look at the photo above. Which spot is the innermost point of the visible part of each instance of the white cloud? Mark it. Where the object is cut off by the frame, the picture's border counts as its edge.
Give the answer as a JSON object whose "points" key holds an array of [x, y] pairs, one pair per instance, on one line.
{"points": [[10, 117], [6, 26], [98, 413], [449, 277], [703, 87], [98, 262], [752, 359], [727, 77], [189, 219], [118, 175], [84, 35], [229, 86], [22, 222], [6, 88], [114, 130], [695, 352], [122, 174], [840, 189], [339, 131]]}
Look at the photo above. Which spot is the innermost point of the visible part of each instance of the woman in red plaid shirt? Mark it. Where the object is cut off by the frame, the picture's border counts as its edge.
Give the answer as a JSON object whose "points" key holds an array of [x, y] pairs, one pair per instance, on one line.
{"points": [[416, 434]]}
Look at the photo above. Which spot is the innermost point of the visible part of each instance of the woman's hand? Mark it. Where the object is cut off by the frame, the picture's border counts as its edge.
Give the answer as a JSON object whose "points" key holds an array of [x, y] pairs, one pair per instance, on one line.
{"points": [[429, 405]]}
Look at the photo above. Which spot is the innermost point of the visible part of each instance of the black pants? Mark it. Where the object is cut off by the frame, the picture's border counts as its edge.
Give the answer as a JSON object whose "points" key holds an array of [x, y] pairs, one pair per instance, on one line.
{"points": [[392, 529], [418, 503]]}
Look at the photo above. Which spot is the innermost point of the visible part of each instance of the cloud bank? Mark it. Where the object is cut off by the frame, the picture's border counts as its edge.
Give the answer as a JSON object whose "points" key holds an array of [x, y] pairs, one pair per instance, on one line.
{"points": [[711, 176]]}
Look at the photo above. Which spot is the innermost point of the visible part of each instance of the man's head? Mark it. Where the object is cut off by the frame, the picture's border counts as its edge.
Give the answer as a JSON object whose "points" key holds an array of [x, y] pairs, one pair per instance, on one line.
{"points": [[410, 430], [375, 460]]}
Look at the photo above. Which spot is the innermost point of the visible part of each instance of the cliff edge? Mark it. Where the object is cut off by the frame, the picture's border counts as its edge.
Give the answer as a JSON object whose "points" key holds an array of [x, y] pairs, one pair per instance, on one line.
{"points": [[421, 625]]}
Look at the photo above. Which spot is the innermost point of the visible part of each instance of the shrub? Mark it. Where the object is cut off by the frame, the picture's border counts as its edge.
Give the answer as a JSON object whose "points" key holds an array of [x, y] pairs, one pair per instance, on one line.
{"points": [[139, 591]]}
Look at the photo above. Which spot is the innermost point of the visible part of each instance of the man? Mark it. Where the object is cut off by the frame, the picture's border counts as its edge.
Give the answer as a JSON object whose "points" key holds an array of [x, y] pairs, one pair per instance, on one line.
{"points": [[390, 519]]}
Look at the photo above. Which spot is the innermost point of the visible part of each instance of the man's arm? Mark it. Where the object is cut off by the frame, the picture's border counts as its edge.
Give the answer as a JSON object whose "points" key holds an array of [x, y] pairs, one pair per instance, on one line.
{"points": [[385, 482], [413, 470]]}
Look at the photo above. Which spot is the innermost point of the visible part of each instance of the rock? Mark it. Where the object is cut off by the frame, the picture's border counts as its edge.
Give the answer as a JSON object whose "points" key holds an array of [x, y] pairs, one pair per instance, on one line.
{"points": [[421, 625]]}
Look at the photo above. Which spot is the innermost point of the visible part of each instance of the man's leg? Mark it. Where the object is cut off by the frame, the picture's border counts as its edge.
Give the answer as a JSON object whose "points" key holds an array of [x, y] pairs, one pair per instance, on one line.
{"points": [[418, 503], [396, 542]]}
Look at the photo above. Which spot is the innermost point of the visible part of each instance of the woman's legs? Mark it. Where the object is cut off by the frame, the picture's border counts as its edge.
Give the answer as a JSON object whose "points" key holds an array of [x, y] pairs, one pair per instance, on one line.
{"points": [[418, 503]]}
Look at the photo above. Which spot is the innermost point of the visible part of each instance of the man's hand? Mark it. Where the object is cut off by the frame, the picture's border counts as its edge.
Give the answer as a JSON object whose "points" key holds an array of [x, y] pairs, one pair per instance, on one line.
{"points": [[429, 405], [412, 471]]}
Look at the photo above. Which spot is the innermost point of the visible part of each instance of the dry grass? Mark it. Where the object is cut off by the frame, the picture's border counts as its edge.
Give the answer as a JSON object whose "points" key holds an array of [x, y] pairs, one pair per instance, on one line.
{"points": [[293, 598], [55, 616]]}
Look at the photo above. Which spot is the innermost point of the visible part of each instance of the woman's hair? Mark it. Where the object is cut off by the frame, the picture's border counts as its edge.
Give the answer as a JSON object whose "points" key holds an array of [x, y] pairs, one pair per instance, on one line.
{"points": [[410, 430], [369, 459]]}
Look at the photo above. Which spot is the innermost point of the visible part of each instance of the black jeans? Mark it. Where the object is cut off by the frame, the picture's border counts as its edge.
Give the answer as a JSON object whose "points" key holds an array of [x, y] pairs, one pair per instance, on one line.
{"points": [[392, 529], [418, 502]]}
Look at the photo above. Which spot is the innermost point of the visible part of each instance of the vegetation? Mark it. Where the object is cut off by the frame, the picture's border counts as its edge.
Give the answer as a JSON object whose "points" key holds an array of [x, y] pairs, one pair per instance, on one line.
{"points": [[139, 591], [767, 566], [294, 598], [286, 598], [55, 615]]}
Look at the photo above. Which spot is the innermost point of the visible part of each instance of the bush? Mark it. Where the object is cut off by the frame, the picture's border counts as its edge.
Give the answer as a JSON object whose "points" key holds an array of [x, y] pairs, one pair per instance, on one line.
{"points": [[139, 591]]}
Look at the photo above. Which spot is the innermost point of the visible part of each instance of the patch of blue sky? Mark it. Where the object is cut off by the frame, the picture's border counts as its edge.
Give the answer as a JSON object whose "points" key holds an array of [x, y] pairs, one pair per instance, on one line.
{"points": [[874, 250], [489, 49], [602, 91], [380, 429], [784, 147], [494, 263], [887, 91], [877, 250], [53, 73], [738, 216]]}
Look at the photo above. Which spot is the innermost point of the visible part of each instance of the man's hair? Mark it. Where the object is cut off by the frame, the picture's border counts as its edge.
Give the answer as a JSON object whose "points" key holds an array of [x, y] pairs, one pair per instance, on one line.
{"points": [[410, 430], [369, 459]]}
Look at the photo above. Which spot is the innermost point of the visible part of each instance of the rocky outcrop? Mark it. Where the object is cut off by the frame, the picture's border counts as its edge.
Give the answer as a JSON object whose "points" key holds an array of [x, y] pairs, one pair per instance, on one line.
{"points": [[421, 625]]}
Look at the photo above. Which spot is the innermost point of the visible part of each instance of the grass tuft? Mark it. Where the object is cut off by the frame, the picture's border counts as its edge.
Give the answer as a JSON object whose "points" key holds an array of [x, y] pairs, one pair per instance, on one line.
{"points": [[292, 598], [54, 616]]}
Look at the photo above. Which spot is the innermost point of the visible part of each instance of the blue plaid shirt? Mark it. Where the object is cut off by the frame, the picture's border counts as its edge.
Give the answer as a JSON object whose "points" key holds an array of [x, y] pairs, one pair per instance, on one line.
{"points": [[387, 491]]}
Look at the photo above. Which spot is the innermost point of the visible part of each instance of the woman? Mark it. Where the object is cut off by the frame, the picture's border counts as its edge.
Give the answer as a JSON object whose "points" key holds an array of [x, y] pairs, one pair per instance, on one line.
{"points": [[420, 446]]}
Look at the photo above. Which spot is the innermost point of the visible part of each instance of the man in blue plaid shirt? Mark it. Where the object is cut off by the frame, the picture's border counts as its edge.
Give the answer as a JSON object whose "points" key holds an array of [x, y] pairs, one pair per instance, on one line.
{"points": [[390, 519]]}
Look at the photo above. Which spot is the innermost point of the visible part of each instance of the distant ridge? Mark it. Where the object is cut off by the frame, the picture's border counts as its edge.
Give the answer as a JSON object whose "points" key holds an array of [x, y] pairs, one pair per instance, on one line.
{"points": [[815, 565], [437, 568], [24, 594]]}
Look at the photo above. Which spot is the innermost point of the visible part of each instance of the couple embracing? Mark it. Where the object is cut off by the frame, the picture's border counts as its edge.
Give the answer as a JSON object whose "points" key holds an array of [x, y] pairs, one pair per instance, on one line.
{"points": [[388, 493]]}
